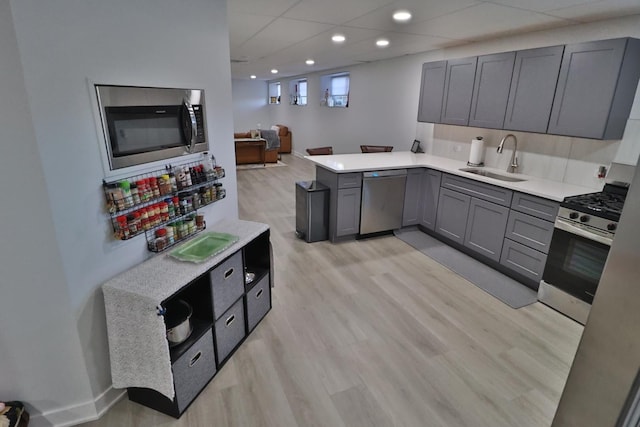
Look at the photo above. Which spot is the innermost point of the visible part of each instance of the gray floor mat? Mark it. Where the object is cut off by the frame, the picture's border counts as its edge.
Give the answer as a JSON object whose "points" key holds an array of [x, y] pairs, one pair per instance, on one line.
{"points": [[506, 289]]}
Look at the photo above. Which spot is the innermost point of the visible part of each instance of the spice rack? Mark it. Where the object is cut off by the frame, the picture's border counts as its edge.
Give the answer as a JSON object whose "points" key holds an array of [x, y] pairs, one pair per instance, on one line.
{"points": [[163, 204]]}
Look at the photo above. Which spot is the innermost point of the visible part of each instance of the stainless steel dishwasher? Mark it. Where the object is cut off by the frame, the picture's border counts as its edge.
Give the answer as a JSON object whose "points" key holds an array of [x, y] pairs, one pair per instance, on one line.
{"points": [[382, 200]]}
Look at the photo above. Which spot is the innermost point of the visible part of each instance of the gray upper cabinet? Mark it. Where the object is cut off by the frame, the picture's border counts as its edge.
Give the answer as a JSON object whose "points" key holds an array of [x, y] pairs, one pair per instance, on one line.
{"points": [[430, 188], [458, 91], [535, 75], [412, 197], [596, 87], [491, 90], [431, 91]]}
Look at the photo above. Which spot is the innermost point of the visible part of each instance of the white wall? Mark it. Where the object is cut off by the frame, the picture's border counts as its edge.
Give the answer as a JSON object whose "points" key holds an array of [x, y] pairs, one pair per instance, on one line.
{"points": [[249, 104], [64, 45], [384, 105]]}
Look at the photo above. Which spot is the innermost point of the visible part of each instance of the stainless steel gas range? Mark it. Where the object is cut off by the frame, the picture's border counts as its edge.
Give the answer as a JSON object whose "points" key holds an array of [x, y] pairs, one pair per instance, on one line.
{"points": [[583, 232]]}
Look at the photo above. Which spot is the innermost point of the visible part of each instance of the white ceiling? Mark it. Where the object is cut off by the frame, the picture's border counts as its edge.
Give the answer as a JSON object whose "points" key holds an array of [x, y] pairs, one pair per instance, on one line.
{"points": [[282, 34]]}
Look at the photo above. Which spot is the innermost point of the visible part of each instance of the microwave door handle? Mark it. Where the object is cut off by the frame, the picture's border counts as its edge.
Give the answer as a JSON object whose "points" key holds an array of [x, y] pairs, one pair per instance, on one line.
{"points": [[194, 125]]}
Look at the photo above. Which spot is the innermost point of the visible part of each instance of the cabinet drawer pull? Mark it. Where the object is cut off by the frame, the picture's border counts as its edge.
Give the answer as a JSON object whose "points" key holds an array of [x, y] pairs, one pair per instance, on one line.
{"points": [[195, 358], [259, 294], [228, 273], [230, 320]]}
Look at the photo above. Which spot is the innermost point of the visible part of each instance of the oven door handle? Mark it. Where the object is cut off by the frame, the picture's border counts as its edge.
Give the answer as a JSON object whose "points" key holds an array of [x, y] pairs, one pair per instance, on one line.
{"points": [[569, 228]]}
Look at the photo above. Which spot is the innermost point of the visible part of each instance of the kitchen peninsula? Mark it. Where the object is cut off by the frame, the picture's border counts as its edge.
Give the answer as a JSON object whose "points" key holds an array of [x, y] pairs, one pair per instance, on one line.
{"points": [[505, 221]]}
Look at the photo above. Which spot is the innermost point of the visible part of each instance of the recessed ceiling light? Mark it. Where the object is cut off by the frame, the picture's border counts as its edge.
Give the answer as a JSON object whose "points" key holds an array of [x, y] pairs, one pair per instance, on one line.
{"points": [[309, 62], [402, 15], [274, 71], [338, 38], [382, 43], [253, 76]]}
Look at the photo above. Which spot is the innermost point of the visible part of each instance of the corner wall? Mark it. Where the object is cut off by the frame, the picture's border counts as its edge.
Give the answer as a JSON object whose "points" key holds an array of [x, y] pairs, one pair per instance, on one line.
{"points": [[63, 48]]}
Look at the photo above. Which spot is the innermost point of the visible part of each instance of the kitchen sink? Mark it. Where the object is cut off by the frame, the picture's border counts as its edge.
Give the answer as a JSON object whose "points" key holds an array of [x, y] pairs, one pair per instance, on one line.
{"points": [[492, 175]]}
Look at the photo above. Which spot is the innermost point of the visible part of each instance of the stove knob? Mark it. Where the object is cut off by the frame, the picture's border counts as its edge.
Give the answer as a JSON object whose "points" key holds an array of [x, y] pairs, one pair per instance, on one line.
{"points": [[584, 218], [611, 226], [573, 215]]}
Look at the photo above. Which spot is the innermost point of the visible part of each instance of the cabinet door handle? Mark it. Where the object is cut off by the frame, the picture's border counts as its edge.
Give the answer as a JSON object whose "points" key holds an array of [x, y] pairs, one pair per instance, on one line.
{"points": [[195, 358], [228, 273], [230, 320], [259, 294]]}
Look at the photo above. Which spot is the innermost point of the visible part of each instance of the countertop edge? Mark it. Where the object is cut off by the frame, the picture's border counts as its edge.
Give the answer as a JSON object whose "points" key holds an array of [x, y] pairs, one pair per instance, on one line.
{"points": [[535, 186]]}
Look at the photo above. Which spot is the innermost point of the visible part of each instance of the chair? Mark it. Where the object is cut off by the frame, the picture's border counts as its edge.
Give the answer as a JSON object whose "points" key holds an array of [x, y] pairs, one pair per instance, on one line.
{"points": [[376, 148], [319, 151]]}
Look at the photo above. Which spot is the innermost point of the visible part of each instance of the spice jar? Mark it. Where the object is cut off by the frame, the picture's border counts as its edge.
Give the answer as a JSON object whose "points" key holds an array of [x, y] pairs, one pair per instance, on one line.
{"points": [[200, 221], [126, 193], [164, 211], [164, 183], [144, 219], [160, 242], [133, 223], [191, 225], [153, 186], [170, 207], [173, 182], [170, 235], [135, 195], [122, 229], [115, 200]]}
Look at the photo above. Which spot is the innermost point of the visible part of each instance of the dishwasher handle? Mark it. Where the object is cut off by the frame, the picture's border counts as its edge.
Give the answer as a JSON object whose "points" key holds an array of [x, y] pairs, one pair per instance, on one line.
{"points": [[385, 173]]}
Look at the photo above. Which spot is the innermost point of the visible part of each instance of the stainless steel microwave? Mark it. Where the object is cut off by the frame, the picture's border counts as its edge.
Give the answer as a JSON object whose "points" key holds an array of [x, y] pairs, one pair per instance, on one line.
{"points": [[144, 124]]}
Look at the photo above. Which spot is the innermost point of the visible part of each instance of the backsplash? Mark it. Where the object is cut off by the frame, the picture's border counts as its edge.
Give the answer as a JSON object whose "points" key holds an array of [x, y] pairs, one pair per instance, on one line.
{"points": [[558, 158]]}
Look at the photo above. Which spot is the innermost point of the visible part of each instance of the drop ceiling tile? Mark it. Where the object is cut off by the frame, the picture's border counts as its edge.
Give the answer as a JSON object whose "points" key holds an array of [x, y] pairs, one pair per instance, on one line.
{"points": [[260, 7], [542, 5], [421, 10], [483, 21], [291, 31], [244, 26], [333, 11], [598, 10]]}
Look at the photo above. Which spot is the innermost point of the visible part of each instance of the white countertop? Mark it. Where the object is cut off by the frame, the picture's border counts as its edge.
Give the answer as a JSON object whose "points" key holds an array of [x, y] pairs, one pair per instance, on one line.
{"points": [[344, 163]]}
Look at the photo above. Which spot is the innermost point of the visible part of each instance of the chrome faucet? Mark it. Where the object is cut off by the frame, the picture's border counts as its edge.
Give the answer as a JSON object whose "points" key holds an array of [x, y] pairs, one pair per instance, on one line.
{"points": [[513, 163]]}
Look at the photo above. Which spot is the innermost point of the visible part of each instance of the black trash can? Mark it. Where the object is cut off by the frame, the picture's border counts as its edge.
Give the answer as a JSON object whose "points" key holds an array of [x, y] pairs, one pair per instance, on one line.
{"points": [[312, 211]]}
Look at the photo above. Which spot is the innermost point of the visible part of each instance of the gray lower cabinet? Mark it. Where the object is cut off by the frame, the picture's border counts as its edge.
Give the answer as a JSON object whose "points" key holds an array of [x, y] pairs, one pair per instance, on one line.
{"points": [[458, 91], [453, 209], [430, 193], [528, 236], [412, 197], [348, 212], [227, 284], [491, 90], [596, 88], [344, 201], [533, 85], [523, 260], [431, 91], [485, 228]]}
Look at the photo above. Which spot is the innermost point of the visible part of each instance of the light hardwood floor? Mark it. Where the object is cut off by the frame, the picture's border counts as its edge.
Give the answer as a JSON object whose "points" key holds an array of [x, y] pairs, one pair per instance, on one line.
{"points": [[373, 333]]}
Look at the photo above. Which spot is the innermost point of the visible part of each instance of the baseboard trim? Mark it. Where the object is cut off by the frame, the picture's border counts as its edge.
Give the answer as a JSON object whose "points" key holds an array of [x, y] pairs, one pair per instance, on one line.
{"points": [[81, 413]]}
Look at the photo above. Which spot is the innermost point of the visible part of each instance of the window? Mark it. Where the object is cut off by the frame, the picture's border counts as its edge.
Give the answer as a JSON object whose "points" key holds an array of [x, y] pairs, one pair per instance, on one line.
{"points": [[298, 92], [336, 90], [274, 93]]}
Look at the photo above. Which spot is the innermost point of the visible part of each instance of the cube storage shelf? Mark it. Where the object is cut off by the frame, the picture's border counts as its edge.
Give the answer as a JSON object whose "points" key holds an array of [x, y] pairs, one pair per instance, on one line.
{"points": [[226, 309]]}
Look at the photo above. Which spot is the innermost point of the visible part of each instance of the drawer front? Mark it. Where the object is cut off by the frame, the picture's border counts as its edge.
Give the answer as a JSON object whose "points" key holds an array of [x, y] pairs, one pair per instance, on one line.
{"points": [[258, 302], [529, 231], [193, 370], [535, 206], [523, 260], [229, 330], [349, 180], [488, 192], [227, 283]]}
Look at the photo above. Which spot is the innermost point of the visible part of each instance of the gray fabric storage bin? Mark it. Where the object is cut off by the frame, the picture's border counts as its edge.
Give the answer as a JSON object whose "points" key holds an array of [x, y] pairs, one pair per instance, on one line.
{"points": [[193, 370], [230, 330], [227, 284], [258, 302]]}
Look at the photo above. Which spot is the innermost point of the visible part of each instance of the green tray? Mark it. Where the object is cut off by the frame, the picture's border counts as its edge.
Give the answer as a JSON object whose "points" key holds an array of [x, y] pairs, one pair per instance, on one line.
{"points": [[204, 246]]}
